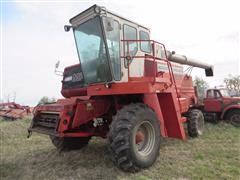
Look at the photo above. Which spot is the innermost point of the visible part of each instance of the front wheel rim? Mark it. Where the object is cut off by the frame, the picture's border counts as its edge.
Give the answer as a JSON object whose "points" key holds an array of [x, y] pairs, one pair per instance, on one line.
{"points": [[235, 119], [200, 126], [144, 138]]}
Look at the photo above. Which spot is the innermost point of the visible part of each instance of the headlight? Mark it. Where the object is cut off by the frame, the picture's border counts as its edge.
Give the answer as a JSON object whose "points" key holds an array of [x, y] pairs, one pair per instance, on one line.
{"points": [[68, 78]]}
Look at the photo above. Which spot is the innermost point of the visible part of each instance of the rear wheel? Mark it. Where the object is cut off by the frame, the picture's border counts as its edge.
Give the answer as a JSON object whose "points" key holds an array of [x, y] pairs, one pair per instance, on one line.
{"points": [[195, 123], [234, 117], [69, 143], [134, 137]]}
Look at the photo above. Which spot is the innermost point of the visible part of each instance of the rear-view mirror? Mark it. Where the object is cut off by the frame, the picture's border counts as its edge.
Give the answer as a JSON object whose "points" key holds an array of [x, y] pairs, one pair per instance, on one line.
{"points": [[57, 64], [56, 71], [67, 28]]}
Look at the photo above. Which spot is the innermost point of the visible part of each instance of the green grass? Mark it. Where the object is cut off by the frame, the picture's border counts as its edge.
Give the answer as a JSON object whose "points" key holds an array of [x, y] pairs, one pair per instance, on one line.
{"points": [[215, 155]]}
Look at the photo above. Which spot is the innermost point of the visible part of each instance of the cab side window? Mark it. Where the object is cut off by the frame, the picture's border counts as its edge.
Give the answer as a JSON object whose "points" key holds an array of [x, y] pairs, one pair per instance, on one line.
{"points": [[217, 94], [210, 94], [113, 43], [130, 33], [145, 45]]}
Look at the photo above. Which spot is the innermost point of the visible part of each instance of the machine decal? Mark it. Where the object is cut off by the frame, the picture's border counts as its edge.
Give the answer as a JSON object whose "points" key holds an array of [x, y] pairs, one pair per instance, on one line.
{"points": [[164, 68]]}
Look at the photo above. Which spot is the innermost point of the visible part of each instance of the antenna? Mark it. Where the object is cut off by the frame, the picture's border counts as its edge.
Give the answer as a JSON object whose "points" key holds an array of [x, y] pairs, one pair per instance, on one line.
{"points": [[56, 71]]}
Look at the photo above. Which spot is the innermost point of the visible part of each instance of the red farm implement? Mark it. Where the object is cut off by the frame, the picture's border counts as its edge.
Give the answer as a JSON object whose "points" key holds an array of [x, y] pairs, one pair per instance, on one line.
{"points": [[13, 111], [127, 88]]}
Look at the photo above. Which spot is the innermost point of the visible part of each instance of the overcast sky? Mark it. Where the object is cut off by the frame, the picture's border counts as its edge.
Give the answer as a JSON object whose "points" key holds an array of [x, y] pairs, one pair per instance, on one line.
{"points": [[33, 39]]}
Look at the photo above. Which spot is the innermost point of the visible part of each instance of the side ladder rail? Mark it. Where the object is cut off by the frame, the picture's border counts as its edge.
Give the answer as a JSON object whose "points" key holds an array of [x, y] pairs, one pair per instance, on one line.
{"points": [[128, 57], [172, 77]]}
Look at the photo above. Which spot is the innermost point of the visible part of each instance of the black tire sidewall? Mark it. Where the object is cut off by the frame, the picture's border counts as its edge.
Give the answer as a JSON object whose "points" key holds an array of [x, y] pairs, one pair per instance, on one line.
{"points": [[69, 143], [195, 116], [232, 113], [145, 161]]}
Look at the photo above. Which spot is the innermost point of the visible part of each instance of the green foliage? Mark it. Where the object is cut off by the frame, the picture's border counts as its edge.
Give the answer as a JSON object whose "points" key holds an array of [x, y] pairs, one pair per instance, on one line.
{"points": [[202, 86], [46, 100], [232, 83]]}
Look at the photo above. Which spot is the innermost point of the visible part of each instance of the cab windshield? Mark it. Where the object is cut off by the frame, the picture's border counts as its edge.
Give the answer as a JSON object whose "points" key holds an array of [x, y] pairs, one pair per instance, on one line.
{"points": [[224, 92], [92, 51]]}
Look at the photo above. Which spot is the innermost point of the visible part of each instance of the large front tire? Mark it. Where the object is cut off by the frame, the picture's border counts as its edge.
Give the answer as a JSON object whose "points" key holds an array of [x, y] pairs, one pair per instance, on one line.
{"points": [[233, 117], [134, 137], [195, 123], [69, 143]]}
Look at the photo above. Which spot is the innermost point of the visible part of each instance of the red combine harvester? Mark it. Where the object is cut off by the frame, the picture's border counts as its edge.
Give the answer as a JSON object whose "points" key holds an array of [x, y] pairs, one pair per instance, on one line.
{"points": [[127, 88]]}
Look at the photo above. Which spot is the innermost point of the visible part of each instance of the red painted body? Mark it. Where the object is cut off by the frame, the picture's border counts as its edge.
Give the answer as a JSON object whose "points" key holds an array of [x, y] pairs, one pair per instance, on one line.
{"points": [[216, 102], [170, 95], [13, 111]]}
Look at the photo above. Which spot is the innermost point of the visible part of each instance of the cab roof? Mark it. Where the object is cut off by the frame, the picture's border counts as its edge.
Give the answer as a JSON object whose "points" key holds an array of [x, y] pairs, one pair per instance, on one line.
{"points": [[93, 8]]}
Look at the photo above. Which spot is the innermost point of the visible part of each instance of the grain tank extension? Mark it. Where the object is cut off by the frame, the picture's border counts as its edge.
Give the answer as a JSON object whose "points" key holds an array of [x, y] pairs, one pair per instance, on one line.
{"points": [[126, 88]]}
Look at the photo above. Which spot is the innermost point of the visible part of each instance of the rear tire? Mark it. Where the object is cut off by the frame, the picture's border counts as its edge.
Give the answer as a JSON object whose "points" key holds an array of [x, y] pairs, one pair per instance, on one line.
{"points": [[195, 123], [234, 117], [134, 137], [69, 143]]}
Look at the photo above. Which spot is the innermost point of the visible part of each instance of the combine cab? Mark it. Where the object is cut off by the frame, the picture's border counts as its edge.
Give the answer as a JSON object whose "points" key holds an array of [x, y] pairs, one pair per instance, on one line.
{"points": [[127, 88]]}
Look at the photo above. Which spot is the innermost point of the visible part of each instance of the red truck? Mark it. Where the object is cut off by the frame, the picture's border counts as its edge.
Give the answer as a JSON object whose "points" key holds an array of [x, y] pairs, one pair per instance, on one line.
{"points": [[219, 105]]}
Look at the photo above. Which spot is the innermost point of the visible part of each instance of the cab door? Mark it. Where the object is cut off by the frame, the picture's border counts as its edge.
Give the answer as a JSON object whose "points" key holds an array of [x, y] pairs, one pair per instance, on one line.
{"points": [[113, 45], [213, 101]]}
